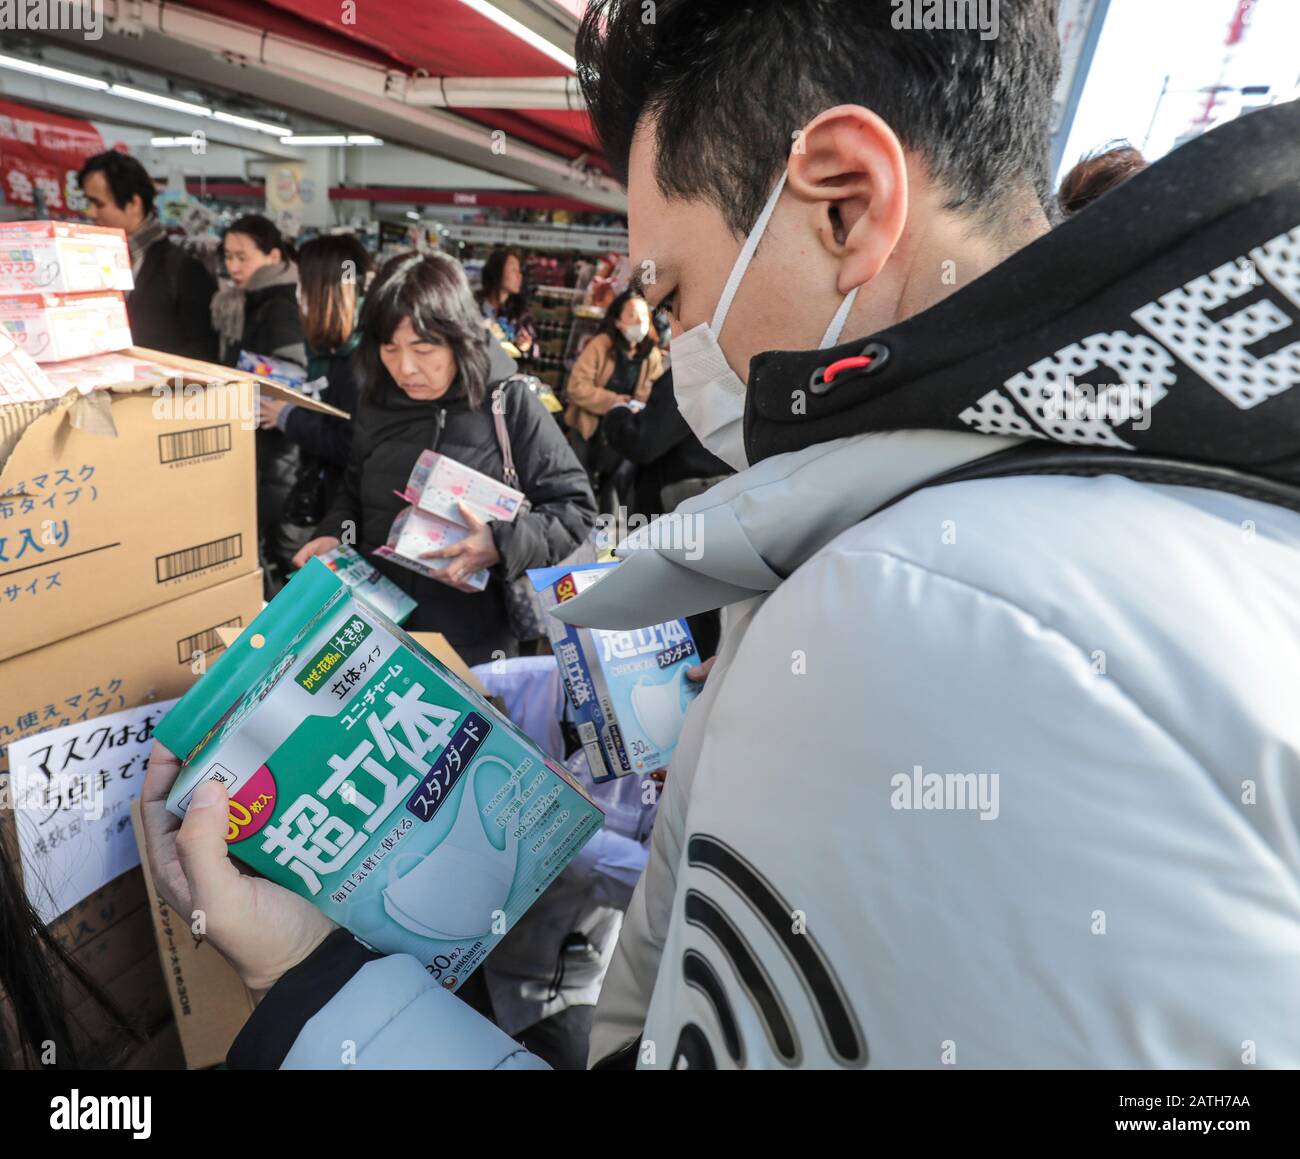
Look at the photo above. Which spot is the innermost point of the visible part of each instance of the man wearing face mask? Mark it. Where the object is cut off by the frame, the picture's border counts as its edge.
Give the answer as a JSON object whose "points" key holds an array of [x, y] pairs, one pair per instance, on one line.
{"points": [[997, 773]]}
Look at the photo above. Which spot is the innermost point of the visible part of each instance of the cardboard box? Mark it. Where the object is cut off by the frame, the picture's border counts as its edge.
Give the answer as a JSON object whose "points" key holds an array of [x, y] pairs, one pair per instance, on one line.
{"points": [[136, 660], [58, 327], [143, 658], [209, 1002], [123, 499], [62, 257]]}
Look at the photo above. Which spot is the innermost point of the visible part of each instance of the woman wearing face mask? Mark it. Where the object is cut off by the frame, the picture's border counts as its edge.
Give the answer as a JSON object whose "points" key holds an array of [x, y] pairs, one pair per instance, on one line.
{"points": [[258, 310], [619, 364], [431, 371]]}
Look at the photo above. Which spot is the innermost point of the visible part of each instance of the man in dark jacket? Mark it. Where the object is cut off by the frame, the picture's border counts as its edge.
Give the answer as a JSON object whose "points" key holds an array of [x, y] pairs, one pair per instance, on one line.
{"points": [[168, 309]]}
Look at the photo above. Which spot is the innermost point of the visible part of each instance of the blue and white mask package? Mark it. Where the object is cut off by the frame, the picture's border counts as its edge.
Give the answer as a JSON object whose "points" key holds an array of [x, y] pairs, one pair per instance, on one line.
{"points": [[628, 689], [371, 780]]}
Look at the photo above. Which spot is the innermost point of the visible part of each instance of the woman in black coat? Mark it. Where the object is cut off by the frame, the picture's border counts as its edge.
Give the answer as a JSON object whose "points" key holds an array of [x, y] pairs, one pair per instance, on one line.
{"points": [[431, 375], [333, 271], [258, 311]]}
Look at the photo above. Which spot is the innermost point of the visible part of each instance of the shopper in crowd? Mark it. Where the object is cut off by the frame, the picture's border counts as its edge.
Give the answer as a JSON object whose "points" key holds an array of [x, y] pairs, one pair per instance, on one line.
{"points": [[333, 272], [168, 308], [620, 363], [1098, 173], [671, 463], [671, 466], [502, 301], [962, 787], [258, 311], [431, 374]]}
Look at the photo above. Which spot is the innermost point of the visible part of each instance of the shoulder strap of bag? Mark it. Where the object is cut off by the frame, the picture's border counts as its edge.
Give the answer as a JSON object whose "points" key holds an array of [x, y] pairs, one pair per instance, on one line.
{"points": [[1085, 461], [503, 436]]}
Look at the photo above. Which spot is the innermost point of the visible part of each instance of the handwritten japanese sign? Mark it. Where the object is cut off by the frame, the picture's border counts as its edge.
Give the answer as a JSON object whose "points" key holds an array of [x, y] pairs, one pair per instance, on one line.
{"points": [[72, 789]]}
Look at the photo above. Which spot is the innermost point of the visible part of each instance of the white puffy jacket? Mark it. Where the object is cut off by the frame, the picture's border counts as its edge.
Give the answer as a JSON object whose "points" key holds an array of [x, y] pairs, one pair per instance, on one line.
{"points": [[1110, 668]]}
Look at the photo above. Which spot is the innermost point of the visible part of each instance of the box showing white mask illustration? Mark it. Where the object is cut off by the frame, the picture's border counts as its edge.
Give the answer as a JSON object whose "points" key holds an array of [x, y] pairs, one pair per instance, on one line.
{"points": [[628, 689], [368, 778]]}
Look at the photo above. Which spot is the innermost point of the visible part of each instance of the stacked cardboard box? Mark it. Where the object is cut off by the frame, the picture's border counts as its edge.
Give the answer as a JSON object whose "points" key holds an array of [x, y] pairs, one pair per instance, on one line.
{"points": [[128, 542]]}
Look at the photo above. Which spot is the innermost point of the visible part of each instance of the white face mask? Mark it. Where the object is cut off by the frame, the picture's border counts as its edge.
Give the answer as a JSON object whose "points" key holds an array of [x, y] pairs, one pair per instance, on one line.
{"points": [[710, 395], [454, 890], [635, 333], [660, 708]]}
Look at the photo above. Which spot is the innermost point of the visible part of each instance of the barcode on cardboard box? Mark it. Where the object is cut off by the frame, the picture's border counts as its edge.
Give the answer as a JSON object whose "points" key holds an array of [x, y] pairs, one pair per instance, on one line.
{"points": [[205, 642], [178, 445], [191, 559]]}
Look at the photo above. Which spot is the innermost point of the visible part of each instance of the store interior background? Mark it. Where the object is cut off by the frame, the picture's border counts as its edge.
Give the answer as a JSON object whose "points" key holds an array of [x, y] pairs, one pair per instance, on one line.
{"points": [[457, 124]]}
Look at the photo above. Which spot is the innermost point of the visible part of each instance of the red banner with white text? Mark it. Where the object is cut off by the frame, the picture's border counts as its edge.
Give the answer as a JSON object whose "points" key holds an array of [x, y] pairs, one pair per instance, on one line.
{"points": [[40, 154]]}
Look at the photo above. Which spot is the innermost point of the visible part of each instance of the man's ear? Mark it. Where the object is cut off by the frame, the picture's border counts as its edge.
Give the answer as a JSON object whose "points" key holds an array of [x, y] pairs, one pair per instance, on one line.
{"points": [[848, 165]]}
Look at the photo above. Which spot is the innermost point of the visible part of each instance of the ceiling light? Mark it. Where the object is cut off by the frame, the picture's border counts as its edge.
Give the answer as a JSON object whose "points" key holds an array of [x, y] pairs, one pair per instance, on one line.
{"points": [[249, 123], [294, 139], [17, 64], [363, 139], [174, 142], [147, 98], [522, 31]]}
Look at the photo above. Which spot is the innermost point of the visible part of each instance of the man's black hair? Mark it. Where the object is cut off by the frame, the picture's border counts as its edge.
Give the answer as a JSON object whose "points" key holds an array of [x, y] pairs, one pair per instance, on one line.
{"points": [[125, 176], [728, 85]]}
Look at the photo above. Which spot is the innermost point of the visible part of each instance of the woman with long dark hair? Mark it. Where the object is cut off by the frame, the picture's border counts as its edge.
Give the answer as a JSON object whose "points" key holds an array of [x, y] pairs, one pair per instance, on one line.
{"points": [[333, 272], [432, 378], [502, 302]]}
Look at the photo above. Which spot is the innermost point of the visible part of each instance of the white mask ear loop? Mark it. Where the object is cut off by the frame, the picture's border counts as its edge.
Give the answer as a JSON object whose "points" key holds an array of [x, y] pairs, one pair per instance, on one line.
{"points": [[832, 335], [744, 258]]}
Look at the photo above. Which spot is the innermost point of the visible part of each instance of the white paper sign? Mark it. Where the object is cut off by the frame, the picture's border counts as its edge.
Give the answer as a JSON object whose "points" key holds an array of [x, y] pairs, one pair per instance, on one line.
{"points": [[72, 790]]}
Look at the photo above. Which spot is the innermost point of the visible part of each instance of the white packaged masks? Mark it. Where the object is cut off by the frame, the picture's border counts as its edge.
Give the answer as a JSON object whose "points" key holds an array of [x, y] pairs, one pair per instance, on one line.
{"points": [[368, 778]]}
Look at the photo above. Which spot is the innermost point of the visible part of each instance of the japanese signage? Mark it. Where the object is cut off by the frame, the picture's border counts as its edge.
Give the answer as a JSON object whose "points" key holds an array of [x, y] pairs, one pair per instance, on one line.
{"points": [[40, 155], [72, 789]]}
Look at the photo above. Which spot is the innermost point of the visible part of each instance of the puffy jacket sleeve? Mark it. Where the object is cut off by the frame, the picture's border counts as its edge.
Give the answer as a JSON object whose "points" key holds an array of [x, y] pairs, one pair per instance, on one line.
{"points": [[322, 435], [346, 508], [195, 337], [649, 434], [347, 1007], [563, 509], [583, 390]]}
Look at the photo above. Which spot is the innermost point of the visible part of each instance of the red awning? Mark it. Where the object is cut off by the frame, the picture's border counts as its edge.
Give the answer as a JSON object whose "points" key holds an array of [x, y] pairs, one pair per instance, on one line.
{"points": [[442, 37], [40, 154]]}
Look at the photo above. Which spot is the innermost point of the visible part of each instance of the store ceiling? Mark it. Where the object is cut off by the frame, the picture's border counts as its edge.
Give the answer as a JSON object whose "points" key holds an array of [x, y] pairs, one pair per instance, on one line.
{"points": [[440, 37]]}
